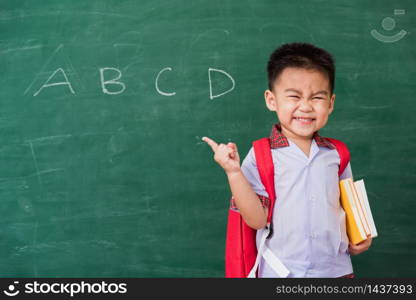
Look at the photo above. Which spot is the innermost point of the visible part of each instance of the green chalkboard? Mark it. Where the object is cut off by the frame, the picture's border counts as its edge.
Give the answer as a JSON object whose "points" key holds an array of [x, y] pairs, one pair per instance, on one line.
{"points": [[103, 105]]}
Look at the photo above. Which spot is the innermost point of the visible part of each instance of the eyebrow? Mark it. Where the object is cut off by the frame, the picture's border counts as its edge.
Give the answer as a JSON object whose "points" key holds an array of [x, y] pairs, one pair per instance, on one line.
{"points": [[293, 90], [320, 92], [299, 92]]}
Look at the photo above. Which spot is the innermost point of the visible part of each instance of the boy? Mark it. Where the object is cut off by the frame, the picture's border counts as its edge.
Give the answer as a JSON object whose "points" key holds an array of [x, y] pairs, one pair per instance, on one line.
{"points": [[309, 233]]}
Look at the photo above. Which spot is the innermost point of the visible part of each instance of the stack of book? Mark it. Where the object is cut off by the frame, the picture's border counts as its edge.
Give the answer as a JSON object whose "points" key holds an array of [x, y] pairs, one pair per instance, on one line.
{"points": [[360, 222]]}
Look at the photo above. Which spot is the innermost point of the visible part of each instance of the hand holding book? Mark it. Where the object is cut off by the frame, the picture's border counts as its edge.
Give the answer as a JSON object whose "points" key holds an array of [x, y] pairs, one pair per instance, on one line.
{"points": [[360, 247]]}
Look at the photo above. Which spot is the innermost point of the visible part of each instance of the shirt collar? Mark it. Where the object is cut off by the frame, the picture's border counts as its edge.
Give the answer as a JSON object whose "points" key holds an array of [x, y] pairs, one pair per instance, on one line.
{"points": [[277, 139]]}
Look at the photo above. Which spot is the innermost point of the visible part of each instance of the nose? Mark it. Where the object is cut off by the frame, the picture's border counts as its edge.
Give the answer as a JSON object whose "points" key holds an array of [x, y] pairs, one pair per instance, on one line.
{"points": [[305, 105]]}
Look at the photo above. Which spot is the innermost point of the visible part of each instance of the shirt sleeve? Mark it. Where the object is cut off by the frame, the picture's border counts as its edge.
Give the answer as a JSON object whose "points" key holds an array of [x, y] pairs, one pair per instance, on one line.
{"points": [[347, 172], [250, 171]]}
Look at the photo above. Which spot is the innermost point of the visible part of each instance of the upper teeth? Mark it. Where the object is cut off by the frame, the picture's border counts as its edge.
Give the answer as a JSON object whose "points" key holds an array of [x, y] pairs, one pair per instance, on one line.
{"points": [[304, 118]]}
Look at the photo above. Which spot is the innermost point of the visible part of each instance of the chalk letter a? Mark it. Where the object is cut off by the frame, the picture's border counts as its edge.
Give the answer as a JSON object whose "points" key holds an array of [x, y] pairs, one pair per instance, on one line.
{"points": [[47, 84]]}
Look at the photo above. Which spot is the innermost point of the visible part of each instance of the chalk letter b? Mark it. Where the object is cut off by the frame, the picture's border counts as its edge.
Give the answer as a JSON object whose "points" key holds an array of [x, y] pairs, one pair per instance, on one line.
{"points": [[113, 81]]}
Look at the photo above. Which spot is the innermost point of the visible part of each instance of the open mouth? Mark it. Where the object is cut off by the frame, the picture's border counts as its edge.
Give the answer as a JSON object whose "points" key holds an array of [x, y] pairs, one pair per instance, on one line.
{"points": [[304, 120]]}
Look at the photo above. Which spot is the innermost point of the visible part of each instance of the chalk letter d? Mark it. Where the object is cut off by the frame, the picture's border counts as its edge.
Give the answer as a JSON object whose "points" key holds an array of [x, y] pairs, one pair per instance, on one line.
{"points": [[211, 96]]}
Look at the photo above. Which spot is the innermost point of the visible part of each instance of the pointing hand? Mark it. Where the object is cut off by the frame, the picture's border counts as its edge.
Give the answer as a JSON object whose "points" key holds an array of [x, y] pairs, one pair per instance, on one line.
{"points": [[226, 155]]}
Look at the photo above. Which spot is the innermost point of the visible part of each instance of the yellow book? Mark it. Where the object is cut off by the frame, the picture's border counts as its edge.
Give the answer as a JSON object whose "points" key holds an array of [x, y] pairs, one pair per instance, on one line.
{"points": [[354, 200], [355, 229], [360, 208], [362, 195]]}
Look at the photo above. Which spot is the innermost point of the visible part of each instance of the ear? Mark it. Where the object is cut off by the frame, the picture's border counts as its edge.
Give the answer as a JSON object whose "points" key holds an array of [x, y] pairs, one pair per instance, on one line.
{"points": [[331, 104], [271, 101]]}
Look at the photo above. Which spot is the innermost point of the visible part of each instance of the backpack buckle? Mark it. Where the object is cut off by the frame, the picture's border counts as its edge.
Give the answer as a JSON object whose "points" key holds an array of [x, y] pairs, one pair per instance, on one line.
{"points": [[270, 227]]}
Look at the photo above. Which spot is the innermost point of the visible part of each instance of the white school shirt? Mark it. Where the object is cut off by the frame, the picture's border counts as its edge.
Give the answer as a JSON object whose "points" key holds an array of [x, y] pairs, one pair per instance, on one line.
{"points": [[309, 229]]}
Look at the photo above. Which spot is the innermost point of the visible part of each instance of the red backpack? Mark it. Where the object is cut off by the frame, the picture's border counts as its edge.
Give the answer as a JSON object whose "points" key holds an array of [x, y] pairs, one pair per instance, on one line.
{"points": [[241, 255]]}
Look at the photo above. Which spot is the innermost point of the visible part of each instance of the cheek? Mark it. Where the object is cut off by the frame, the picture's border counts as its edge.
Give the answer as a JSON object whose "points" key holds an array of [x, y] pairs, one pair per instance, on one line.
{"points": [[322, 111], [287, 107], [286, 111]]}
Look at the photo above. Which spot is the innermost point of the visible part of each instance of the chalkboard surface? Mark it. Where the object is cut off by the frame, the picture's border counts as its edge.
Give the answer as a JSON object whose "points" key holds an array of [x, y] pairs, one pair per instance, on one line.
{"points": [[103, 105]]}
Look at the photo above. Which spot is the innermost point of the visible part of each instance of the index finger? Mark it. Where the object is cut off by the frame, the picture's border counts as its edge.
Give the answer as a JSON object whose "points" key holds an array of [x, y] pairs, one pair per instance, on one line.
{"points": [[210, 142]]}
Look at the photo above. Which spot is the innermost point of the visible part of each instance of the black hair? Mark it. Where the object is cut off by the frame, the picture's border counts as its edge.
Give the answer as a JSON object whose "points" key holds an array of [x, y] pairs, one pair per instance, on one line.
{"points": [[300, 55]]}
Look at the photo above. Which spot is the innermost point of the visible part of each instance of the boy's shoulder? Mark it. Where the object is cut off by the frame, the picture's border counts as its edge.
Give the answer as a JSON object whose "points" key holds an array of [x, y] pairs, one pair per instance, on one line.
{"points": [[321, 141], [277, 140], [336, 143]]}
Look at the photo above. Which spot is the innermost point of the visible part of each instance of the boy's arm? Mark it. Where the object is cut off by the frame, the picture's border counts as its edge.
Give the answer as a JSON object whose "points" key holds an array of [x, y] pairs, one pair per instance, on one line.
{"points": [[246, 200]]}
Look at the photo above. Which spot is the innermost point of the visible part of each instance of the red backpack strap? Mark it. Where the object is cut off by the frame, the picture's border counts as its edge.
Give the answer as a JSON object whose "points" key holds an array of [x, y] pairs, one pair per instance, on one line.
{"points": [[265, 167], [343, 152]]}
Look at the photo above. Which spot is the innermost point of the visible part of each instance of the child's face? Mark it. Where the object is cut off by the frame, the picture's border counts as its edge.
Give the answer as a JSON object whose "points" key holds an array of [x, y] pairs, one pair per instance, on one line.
{"points": [[300, 93]]}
